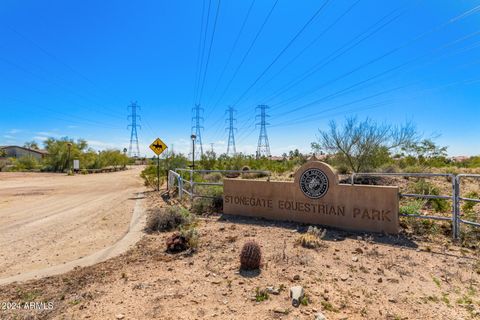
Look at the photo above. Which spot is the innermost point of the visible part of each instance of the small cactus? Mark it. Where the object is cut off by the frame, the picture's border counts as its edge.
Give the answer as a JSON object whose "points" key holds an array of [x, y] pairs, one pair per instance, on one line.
{"points": [[251, 256]]}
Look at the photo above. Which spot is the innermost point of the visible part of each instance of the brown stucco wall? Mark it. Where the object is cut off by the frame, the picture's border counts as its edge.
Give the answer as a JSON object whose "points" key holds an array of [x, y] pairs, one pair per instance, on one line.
{"points": [[363, 208]]}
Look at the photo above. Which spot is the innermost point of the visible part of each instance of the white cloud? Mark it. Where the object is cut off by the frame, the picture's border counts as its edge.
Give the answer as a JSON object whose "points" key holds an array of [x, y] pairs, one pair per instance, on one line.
{"points": [[48, 134], [8, 136], [41, 138], [14, 131], [101, 144]]}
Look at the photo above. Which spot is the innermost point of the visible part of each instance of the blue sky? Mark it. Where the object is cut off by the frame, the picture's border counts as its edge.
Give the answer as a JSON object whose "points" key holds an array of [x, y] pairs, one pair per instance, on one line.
{"points": [[70, 68]]}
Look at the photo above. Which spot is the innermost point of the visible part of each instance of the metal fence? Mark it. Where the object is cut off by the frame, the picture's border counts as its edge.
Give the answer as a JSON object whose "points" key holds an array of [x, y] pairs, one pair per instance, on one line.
{"points": [[187, 186], [454, 218], [458, 180]]}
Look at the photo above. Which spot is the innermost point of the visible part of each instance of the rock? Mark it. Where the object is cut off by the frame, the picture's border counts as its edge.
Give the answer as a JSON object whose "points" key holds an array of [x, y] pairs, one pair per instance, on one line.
{"points": [[392, 300], [296, 277], [344, 277], [273, 290], [120, 316], [355, 259], [359, 250], [296, 293], [380, 280], [279, 310], [320, 316]]}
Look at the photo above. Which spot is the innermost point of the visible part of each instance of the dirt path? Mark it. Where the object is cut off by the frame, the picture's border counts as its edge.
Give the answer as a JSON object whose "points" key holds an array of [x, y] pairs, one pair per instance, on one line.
{"points": [[52, 219]]}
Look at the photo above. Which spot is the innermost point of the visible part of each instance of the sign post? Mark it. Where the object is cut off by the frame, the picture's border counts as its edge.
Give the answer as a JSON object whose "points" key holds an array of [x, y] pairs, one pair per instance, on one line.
{"points": [[158, 146]]}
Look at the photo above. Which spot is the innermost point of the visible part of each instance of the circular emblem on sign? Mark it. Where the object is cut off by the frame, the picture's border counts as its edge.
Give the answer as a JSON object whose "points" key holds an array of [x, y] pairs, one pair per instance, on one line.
{"points": [[314, 183]]}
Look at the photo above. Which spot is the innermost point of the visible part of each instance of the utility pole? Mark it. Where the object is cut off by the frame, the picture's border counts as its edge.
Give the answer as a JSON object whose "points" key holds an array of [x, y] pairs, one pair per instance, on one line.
{"points": [[231, 149], [134, 149], [263, 148], [197, 119]]}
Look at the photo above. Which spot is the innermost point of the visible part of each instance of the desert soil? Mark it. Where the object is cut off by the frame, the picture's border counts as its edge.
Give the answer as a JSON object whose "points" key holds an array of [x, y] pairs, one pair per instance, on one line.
{"points": [[352, 276], [51, 219]]}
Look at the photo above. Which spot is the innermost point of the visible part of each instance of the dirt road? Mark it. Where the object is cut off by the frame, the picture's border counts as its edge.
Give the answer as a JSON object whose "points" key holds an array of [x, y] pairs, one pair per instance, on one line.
{"points": [[51, 219]]}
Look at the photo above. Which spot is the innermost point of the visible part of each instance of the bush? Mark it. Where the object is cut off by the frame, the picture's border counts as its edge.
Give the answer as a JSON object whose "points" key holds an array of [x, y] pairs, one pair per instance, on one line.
{"points": [[25, 163], [203, 206], [427, 188], [150, 176], [412, 207], [312, 239], [468, 205], [191, 235], [214, 177], [168, 219], [183, 240]]}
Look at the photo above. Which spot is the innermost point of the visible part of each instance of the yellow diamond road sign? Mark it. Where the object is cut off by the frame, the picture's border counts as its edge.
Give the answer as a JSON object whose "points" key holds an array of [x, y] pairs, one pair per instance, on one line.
{"points": [[158, 146]]}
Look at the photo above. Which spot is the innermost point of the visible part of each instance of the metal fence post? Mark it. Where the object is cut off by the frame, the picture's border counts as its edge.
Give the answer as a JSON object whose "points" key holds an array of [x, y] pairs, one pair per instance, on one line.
{"points": [[456, 208], [180, 187], [191, 187]]}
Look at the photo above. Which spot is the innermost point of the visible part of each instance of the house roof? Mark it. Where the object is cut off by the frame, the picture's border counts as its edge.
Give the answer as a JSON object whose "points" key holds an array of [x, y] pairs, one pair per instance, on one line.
{"points": [[28, 149]]}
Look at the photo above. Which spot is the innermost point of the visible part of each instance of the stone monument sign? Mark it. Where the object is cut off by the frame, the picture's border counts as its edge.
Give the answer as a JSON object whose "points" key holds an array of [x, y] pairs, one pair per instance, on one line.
{"points": [[315, 197]]}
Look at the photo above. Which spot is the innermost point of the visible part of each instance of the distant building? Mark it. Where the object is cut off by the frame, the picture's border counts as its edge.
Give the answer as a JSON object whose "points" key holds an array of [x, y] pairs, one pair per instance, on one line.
{"points": [[460, 158], [18, 152]]}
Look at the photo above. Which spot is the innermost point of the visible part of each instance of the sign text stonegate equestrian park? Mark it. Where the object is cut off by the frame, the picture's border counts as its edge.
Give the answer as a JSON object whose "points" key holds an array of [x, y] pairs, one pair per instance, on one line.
{"points": [[316, 197]]}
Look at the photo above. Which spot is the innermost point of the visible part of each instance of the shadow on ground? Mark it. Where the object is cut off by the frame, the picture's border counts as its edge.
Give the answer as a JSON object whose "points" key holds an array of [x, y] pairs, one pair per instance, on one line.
{"points": [[400, 240]]}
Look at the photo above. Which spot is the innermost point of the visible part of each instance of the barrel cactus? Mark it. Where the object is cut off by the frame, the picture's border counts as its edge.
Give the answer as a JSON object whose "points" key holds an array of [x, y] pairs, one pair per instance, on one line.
{"points": [[251, 256]]}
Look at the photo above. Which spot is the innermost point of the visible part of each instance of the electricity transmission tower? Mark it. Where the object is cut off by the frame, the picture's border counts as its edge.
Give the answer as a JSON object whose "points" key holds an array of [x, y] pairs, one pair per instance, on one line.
{"points": [[197, 130], [231, 149], [263, 148], [134, 149]]}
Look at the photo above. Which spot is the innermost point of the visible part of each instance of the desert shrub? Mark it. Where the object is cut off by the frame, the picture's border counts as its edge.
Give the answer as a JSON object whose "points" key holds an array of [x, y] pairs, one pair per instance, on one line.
{"points": [[254, 175], [312, 239], [169, 218], [412, 207], [191, 235], [415, 169], [467, 207], [150, 176], [422, 226], [389, 168], [213, 177], [214, 204], [25, 163], [427, 188], [186, 239]]}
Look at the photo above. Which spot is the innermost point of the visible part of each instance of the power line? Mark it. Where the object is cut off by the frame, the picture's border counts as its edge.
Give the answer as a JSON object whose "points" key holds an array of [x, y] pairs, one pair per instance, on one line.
{"points": [[197, 87], [231, 53], [348, 46], [315, 40], [397, 67], [209, 52], [314, 16], [199, 48], [229, 83]]}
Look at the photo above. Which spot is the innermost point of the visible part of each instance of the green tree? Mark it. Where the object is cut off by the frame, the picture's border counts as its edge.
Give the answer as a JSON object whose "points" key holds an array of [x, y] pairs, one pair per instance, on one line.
{"points": [[364, 145], [25, 163], [208, 160], [426, 152], [31, 145], [58, 151]]}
